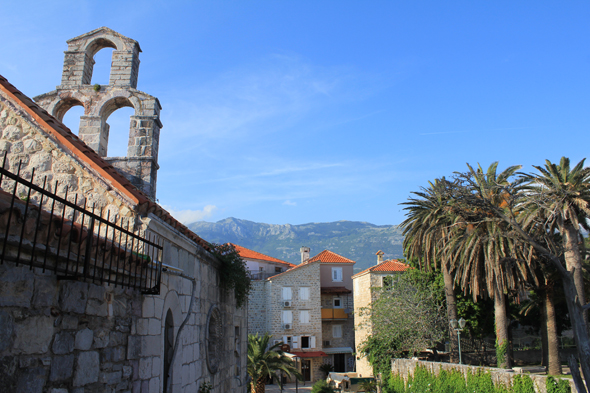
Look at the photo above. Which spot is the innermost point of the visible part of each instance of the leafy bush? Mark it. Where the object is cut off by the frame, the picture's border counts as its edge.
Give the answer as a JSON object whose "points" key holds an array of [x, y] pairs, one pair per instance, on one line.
{"points": [[557, 385], [322, 386], [454, 382], [233, 272]]}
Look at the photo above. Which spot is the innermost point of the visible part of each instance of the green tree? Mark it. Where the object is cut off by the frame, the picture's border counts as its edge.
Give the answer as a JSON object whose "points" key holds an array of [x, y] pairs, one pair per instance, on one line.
{"points": [[558, 195], [265, 360], [406, 318], [322, 386], [426, 230]]}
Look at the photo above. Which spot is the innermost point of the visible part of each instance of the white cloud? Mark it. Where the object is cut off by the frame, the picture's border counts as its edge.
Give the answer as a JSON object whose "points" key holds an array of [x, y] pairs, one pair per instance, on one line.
{"points": [[289, 203], [190, 216]]}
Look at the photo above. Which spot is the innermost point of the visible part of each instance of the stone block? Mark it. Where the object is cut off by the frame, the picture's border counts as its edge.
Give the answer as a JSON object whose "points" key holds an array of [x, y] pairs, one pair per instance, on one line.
{"points": [[133, 347], [63, 343], [84, 339], [155, 326], [116, 338], [155, 385], [73, 296], [151, 345], [6, 329], [33, 335], [96, 307], [156, 366], [62, 368], [101, 339], [96, 292], [32, 380], [111, 378], [147, 309], [16, 286], [143, 326], [45, 292], [127, 371], [145, 368], [87, 368]]}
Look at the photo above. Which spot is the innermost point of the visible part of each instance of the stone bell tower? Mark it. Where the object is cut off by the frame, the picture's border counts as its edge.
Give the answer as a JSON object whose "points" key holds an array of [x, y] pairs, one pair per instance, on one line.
{"points": [[140, 165]]}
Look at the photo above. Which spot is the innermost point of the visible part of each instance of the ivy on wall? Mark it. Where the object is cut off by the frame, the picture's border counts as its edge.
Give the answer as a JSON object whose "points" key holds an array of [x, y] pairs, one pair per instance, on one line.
{"points": [[233, 273]]}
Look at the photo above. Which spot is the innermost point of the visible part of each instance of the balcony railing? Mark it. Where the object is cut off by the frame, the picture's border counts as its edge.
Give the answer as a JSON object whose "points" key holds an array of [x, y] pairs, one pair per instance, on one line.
{"points": [[40, 229], [334, 313]]}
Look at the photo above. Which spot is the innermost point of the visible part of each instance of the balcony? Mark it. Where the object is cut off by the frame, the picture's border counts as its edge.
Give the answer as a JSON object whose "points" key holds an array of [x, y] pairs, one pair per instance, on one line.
{"points": [[333, 313]]}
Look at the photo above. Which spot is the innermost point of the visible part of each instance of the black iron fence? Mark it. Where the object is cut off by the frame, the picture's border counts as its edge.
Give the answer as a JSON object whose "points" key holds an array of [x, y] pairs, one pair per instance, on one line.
{"points": [[62, 234]]}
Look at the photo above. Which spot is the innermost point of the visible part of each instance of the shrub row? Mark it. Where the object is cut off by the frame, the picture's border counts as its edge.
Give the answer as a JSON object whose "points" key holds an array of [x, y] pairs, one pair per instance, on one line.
{"points": [[454, 382]]}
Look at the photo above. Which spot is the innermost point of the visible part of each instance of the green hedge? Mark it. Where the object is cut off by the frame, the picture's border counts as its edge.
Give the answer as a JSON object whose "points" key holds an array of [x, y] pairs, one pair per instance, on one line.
{"points": [[454, 382]]}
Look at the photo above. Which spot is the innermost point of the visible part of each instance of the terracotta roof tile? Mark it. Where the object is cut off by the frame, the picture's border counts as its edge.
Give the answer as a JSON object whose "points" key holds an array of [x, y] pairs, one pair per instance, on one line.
{"points": [[251, 254], [390, 266], [62, 134], [327, 256]]}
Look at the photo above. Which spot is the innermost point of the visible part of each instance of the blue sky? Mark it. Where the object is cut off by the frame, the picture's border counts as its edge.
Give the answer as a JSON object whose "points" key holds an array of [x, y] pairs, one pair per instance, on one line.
{"points": [[316, 111]]}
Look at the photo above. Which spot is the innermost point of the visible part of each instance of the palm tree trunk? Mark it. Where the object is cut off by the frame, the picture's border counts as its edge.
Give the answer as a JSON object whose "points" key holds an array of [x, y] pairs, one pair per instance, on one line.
{"points": [[260, 386], [502, 339], [554, 363], [573, 260], [543, 330], [451, 310], [579, 327]]}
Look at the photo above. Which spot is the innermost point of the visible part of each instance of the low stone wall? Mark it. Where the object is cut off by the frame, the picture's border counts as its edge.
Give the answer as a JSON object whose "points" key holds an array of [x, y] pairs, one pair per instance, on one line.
{"points": [[406, 367]]}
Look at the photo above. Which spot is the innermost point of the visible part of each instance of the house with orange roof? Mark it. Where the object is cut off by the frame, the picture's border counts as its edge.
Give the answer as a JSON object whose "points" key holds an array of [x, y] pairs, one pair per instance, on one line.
{"points": [[98, 283], [261, 266], [308, 307], [380, 275]]}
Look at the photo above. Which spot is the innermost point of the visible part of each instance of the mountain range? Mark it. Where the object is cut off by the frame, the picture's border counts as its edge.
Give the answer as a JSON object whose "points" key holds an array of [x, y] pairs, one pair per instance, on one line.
{"points": [[355, 240]]}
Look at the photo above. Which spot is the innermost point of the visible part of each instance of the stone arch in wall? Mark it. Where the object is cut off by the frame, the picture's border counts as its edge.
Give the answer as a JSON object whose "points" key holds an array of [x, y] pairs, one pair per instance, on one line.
{"points": [[172, 314]]}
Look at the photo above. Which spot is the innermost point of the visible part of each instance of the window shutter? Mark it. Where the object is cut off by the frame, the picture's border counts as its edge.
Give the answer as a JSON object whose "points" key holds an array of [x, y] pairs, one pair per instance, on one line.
{"points": [[312, 342], [295, 342], [286, 293], [284, 339]]}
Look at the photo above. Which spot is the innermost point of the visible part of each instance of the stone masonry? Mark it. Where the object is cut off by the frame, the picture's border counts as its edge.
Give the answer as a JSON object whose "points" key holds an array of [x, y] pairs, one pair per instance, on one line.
{"points": [[141, 163], [59, 335]]}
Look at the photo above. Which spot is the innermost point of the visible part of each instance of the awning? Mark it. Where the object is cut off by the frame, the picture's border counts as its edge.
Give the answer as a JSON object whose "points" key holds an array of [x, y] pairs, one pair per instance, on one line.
{"points": [[313, 354], [335, 290], [338, 350]]}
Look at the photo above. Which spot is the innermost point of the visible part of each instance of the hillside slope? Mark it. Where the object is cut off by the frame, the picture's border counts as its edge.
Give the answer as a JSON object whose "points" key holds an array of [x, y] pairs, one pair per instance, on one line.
{"points": [[358, 241]]}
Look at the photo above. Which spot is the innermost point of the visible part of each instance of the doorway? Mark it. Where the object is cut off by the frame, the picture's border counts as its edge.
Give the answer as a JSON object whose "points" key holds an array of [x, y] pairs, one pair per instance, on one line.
{"points": [[306, 369], [339, 362]]}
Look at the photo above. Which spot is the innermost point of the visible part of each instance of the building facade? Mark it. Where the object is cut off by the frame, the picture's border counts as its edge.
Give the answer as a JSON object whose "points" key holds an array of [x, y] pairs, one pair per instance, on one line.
{"points": [[309, 308], [364, 284], [101, 289]]}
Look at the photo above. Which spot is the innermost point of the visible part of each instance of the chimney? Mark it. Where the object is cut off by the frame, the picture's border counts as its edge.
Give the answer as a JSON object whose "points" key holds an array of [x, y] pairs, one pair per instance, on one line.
{"points": [[304, 254], [379, 256]]}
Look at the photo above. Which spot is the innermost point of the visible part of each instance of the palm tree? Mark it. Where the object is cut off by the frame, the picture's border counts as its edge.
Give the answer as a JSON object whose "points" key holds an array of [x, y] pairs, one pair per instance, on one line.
{"points": [[560, 197], [485, 257], [264, 360], [426, 229]]}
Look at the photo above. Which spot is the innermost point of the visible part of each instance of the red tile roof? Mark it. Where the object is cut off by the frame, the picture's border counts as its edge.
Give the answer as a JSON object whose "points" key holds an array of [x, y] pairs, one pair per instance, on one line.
{"points": [[391, 266], [66, 138], [251, 254], [330, 257]]}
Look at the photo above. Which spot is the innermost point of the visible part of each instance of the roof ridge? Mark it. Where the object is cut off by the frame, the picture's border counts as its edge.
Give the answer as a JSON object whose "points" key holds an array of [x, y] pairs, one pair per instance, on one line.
{"points": [[64, 136]]}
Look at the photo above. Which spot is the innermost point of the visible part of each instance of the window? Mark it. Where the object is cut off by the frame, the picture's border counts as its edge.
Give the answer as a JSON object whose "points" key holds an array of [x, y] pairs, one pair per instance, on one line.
{"points": [[388, 281], [304, 316], [304, 293], [337, 301], [337, 274], [287, 316], [278, 269], [307, 342], [337, 331], [286, 293], [261, 268], [288, 340]]}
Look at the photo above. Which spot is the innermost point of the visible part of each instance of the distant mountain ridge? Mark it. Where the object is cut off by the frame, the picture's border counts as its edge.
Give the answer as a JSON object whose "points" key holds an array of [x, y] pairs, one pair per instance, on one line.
{"points": [[356, 240]]}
